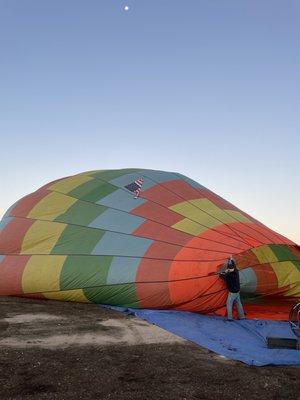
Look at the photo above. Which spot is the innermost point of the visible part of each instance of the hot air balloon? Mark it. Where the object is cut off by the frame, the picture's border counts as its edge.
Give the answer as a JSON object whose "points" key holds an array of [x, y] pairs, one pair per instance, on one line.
{"points": [[143, 239]]}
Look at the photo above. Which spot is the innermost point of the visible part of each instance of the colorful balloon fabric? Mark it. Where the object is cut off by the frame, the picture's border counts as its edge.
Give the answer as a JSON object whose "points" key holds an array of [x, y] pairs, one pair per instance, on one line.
{"points": [[88, 238]]}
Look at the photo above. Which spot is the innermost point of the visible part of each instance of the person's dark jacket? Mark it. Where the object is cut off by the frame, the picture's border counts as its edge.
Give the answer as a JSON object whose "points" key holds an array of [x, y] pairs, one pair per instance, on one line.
{"points": [[232, 280]]}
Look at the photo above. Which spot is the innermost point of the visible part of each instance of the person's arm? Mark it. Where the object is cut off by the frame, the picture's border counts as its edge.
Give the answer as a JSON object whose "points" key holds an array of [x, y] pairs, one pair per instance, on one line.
{"points": [[227, 271], [222, 275]]}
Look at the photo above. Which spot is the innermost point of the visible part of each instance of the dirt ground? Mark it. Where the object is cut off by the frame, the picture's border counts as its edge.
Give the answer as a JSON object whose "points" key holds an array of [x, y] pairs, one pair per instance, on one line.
{"points": [[56, 350]]}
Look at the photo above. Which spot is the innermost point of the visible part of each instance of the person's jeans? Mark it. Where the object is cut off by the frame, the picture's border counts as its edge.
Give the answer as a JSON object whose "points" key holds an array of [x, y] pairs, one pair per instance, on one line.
{"points": [[234, 298]]}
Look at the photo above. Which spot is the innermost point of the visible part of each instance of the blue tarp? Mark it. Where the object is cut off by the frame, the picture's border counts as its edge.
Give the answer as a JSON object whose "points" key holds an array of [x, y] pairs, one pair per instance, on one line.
{"points": [[243, 340]]}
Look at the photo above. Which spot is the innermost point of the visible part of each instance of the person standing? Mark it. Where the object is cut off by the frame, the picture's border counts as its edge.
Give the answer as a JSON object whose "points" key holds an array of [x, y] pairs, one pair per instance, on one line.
{"points": [[232, 280]]}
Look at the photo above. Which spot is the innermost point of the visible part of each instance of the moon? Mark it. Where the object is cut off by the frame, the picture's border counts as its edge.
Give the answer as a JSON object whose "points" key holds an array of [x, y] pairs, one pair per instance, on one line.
{"points": [[126, 8]]}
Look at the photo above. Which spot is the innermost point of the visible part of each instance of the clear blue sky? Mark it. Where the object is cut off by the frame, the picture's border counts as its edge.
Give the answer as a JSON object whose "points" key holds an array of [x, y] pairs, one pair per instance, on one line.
{"points": [[209, 88]]}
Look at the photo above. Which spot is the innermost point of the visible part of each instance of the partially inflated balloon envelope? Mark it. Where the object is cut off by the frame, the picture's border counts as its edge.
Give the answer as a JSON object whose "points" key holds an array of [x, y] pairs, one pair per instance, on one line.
{"points": [[141, 238]]}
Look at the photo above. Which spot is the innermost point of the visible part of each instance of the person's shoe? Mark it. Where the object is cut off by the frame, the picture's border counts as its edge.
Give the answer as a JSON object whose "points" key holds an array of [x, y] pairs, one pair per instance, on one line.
{"points": [[242, 318], [229, 319]]}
